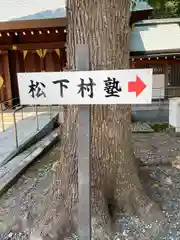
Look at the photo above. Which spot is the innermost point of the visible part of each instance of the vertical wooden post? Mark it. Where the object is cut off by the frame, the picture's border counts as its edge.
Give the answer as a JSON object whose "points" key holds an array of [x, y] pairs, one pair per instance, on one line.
{"points": [[84, 138], [166, 85], [7, 79]]}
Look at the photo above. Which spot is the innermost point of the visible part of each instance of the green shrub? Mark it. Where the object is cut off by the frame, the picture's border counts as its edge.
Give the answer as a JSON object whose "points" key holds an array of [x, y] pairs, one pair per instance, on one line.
{"points": [[158, 127]]}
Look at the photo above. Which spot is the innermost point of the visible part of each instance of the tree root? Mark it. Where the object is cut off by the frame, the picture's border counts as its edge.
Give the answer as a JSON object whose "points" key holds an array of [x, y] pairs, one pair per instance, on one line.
{"points": [[144, 208], [128, 197], [104, 213], [100, 218]]}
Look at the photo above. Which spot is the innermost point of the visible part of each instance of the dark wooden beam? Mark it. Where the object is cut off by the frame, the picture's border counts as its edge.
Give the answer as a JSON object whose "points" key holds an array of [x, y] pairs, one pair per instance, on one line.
{"points": [[27, 38], [165, 61], [33, 24], [2, 52], [156, 53], [33, 46]]}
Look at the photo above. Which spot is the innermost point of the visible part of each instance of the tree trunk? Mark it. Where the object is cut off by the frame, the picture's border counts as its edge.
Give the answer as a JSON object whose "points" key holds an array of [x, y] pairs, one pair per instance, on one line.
{"points": [[104, 25]]}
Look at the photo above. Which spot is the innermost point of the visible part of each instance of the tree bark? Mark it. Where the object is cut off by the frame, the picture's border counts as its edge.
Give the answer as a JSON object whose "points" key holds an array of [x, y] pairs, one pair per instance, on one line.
{"points": [[104, 25]]}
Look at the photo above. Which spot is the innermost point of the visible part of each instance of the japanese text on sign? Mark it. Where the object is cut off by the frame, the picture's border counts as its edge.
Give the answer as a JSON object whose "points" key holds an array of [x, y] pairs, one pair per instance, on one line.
{"points": [[89, 87]]}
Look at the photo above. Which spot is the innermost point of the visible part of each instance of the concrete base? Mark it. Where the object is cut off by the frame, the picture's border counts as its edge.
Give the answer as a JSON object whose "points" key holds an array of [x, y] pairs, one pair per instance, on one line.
{"points": [[10, 172], [38, 135], [174, 132], [27, 135], [155, 112]]}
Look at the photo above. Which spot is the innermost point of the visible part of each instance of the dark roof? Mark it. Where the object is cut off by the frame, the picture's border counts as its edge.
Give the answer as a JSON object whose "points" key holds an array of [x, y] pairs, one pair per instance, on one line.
{"points": [[141, 11], [141, 6]]}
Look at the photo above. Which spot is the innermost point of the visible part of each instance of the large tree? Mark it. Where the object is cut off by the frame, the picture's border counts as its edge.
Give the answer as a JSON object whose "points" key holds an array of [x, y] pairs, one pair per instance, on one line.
{"points": [[104, 26]]}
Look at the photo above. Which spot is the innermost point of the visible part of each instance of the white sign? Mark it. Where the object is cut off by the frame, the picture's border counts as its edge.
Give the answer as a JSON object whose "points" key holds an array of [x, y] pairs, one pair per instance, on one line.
{"points": [[132, 86]]}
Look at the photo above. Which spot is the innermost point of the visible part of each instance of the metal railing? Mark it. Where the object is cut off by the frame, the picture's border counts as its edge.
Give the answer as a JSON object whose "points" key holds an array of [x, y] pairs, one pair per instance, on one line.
{"points": [[35, 108], [15, 124], [164, 93], [3, 110]]}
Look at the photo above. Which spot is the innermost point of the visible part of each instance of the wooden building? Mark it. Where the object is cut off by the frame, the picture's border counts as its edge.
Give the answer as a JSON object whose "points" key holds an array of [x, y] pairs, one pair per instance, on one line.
{"points": [[38, 45], [30, 46], [156, 44]]}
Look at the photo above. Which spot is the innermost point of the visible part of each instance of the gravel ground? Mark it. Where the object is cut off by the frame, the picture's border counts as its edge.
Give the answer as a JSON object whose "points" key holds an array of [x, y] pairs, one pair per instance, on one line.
{"points": [[29, 191], [162, 183]]}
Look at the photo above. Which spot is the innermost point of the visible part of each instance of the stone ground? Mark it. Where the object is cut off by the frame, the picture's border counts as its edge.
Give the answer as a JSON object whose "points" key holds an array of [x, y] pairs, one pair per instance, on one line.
{"points": [[162, 183], [161, 179]]}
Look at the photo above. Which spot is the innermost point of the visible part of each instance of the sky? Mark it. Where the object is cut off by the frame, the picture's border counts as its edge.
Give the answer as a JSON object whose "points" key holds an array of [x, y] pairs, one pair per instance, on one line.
{"points": [[18, 8]]}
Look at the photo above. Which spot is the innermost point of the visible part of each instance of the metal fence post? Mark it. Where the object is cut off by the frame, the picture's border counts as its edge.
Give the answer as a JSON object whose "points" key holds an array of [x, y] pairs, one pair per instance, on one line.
{"points": [[2, 118], [60, 108], [15, 129], [22, 114], [37, 120], [50, 111], [160, 97]]}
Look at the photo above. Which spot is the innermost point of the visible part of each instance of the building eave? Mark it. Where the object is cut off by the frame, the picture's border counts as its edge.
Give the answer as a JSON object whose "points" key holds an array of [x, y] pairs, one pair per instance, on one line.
{"points": [[137, 16], [33, 24], [156, 53]]}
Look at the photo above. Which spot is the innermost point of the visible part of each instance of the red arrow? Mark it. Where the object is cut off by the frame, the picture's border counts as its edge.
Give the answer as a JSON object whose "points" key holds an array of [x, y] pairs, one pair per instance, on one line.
{"points": [[138, 86]]}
